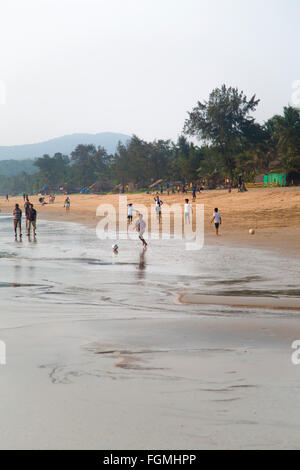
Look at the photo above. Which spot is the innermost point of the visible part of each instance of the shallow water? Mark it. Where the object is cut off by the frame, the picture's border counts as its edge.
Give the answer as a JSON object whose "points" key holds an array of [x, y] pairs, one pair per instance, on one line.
{"points": [[100, 354], [69, 266]]}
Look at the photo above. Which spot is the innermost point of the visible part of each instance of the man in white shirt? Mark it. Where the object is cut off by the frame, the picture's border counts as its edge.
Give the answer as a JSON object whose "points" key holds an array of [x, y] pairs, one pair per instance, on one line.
{"points": [[187, 211], [158, 204], [140, 226], [130, 213], [217, 219]]}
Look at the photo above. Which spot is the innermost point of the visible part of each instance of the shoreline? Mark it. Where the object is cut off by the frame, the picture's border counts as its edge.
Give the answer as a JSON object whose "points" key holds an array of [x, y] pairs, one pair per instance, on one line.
{"points": [[275, 230], [261, 303]]}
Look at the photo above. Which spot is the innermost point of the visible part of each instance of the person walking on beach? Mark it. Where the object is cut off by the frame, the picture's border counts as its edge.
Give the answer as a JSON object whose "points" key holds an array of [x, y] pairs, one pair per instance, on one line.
{"points": [[217, 219], [17, 215], [140, 226], [194, 194], [158, 203], [67, 204], [187, 211], [26, 209], [32, 214], [130, 213]]}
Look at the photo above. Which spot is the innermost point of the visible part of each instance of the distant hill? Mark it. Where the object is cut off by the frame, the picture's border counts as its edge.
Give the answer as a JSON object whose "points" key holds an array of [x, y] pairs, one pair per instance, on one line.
{"points": [[65, 144], [16, 167]]}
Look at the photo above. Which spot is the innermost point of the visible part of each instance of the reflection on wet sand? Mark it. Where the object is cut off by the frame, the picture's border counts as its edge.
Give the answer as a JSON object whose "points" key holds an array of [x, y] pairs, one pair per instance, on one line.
{"points": [[142, 264], [86, 346]]}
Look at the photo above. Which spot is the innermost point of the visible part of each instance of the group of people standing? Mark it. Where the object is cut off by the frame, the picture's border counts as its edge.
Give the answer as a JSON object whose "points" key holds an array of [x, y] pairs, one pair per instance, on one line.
{"points": [[31, 216]]}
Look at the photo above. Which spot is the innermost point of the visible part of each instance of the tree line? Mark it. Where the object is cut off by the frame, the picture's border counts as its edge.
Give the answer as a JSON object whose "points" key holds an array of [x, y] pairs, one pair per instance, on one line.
{"points": [[230, 144]]}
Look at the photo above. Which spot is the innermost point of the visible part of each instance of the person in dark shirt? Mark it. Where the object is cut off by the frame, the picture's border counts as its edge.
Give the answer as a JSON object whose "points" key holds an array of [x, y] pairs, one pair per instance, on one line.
{"points": [[194, 194], [17, 215], [32, 214], [26, 209]]}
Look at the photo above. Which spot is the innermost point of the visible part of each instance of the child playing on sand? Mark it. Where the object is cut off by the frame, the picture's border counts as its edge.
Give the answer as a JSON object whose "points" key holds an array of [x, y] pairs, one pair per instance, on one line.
{"points": [[158, 204], [187, 211], [217, 219], [67, 204], [130, 213], [194, 194]]}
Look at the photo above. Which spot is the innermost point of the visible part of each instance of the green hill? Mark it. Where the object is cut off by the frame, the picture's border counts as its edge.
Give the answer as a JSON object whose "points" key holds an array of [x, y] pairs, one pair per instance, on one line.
{"points": [[65, 145], [15, 167]]}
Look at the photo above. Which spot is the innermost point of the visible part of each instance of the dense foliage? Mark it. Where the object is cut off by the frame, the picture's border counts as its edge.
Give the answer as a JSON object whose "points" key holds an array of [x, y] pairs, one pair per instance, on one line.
{"points": [[231, 144]]}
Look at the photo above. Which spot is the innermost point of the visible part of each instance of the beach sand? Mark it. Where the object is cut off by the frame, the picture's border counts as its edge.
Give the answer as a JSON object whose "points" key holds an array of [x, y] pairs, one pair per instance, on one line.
{"points": [[184, 350], [274, 213]]}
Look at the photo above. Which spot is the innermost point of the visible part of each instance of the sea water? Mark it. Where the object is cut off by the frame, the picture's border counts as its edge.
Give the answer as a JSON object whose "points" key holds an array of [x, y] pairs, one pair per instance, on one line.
{"points": [[100, 353], [67, 265]]}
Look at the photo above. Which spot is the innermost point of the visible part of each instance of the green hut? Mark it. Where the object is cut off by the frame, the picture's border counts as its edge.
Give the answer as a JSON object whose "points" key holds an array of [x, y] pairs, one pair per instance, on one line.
{"points": [[275, 179]]}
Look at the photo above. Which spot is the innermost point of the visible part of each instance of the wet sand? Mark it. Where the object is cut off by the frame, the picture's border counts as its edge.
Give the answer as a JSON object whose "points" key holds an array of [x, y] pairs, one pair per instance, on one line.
{"points": [[166, 384], [243, 302], [102, 355]]}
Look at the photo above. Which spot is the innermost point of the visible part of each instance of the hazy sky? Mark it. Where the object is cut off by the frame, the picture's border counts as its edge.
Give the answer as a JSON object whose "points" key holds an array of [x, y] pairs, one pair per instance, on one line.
{"points": [[138, 66]]}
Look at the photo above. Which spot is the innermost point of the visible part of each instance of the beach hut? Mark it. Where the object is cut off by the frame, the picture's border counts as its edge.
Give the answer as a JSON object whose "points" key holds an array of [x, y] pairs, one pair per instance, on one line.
{"points": [[275, 179]]}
